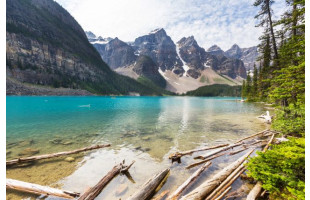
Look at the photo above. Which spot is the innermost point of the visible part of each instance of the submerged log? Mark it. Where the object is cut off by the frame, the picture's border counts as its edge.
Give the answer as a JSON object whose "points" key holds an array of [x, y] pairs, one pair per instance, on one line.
{"points": [[53, 155], [217, 151], [39, 189], [206, 188], [251, 136], [175, 195], [178, 155], [96, 190], [148, 189], [254, 193], [204, 161]]}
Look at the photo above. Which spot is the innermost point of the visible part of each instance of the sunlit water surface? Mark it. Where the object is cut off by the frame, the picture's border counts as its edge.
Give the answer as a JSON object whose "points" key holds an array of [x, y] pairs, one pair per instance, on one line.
{"points": [[144, 129]]}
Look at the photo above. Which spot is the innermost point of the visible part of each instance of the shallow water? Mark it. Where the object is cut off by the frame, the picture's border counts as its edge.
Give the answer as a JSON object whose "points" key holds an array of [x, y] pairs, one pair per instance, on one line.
{"points": [[144, 129]]}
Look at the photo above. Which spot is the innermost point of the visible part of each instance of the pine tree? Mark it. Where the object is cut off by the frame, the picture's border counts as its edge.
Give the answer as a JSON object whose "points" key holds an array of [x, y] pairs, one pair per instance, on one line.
{"points": [[265, 18], [248, 86], [255, 83], [243, 94]]}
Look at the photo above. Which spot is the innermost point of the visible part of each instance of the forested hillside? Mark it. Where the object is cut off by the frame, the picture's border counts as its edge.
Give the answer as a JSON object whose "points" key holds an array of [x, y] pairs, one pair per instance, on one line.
{"points": [[280, 80]]}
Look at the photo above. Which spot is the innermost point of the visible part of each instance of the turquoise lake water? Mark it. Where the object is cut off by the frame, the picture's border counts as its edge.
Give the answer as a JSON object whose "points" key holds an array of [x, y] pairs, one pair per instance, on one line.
{"points": [[145, 129]]}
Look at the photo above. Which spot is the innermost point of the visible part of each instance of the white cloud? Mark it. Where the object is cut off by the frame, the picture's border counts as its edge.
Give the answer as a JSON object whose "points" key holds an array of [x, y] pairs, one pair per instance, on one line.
{"points": [[221, 22]]}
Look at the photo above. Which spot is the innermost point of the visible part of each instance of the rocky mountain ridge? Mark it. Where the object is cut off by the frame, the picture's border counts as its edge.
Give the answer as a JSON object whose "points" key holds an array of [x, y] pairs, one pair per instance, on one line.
{"points": [[183, 60]]}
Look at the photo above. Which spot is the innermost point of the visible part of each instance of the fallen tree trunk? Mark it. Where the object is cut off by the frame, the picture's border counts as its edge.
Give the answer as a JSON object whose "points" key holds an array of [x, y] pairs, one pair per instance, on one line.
{"points": [[178, 155], [217, 151], [251, 136], [225, 183], [206, 188], [223, 194], [148, 189], [53, 155], [254, 193], [39, 189], [232, 180], [96, 190], [204, 161], [238, 151], [188, 182]]}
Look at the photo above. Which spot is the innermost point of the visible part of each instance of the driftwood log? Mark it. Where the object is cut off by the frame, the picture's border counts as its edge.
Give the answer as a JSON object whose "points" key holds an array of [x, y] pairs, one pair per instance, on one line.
{"points": [[224, 193], [53, 155], [229, 183], [234, 175], [206, 188], [148, 189], [203, 157], [39, 189], [176, 156], [251, 136], [96, 190], [254, 193], [175, 195], [204, 161]]}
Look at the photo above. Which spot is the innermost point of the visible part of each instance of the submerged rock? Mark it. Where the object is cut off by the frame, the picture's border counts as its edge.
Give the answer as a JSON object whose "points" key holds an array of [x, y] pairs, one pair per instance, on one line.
{"points": [[69, 159], [56, 141], [29, 152], [67, 143]]}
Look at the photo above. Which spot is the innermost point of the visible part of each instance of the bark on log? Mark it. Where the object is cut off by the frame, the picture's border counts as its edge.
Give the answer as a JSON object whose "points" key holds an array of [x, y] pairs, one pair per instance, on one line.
{"points": [[229, 183], [53, 155], [226, 182], [161, 196], [39, 189], [175, 195], [217, 151], [205, 188], [148, 189], [223, 194], [204, 161], [180, 154], [251, 136], [238, 151], [96, 190], [268, 144], [254, 193]]}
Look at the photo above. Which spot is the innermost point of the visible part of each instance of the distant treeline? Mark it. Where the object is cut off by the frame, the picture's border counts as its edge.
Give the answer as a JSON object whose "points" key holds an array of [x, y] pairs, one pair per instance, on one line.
{"points": [[216, 90]]}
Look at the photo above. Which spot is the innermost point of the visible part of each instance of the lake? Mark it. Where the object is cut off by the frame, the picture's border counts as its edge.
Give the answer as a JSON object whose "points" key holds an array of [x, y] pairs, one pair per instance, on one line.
{"points": [[144, 129]]}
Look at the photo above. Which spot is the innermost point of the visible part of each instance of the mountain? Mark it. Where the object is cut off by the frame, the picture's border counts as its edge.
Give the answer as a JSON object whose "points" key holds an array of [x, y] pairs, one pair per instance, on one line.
{"points": [[198, 59], [159, 46], [247, 55], [116, 53], [216, 50], [184, 65], [46, 46]]}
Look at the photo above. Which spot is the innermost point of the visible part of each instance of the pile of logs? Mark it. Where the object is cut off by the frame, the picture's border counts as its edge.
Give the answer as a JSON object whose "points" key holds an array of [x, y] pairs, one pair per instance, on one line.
{"points": [[214, 188]]}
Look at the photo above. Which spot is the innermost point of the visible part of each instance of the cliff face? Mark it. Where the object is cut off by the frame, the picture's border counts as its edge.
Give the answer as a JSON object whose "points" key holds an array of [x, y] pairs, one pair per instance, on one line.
{"points": [[159, 46], [116, 53], [198, 59], [46, 46]]}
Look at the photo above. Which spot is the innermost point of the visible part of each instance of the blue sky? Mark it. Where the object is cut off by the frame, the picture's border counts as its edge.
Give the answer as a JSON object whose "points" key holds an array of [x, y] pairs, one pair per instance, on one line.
{"points": [[221, 22]]}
